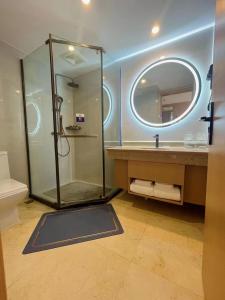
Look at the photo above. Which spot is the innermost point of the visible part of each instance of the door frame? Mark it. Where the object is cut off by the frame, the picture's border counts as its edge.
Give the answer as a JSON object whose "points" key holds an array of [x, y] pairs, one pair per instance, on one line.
{"points": [[59, 205]]}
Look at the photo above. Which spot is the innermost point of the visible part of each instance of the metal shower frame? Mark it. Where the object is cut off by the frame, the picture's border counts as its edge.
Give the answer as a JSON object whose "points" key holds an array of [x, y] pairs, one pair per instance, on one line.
{"points": [[59, 204]]}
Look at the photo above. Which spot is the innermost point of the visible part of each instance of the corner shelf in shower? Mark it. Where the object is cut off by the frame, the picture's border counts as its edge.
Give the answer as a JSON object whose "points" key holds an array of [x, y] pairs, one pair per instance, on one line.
{"points": [[78, 136]]}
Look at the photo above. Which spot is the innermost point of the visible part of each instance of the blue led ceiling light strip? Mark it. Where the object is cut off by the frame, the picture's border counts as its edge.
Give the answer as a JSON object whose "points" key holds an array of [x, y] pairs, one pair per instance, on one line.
{"points": [[169, 41]]}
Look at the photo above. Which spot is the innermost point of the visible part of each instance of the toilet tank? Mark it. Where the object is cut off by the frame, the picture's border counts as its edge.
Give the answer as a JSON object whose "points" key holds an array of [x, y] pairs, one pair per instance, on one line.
{"points": [[4, 165]]}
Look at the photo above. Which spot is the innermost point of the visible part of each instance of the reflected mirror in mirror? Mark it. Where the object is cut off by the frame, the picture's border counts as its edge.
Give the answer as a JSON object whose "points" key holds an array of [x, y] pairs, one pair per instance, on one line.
{"points": [[107, 104], [33, 118], [165, 92]]}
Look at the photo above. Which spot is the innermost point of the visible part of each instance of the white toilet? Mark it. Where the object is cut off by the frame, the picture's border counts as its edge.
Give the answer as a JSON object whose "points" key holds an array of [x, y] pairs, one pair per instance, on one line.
{"points": [[12, 193]]}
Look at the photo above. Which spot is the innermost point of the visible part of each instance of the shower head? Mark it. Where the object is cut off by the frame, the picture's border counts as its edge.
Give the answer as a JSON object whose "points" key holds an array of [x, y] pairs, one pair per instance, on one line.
{"points": [[58, 103], [73, 84]]}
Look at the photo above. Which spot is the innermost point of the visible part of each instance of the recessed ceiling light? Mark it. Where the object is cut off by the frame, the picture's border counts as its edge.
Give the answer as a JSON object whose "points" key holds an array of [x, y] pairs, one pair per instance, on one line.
{"points": [[155, 29], [143, 81], [86, 2], [71, 48]]}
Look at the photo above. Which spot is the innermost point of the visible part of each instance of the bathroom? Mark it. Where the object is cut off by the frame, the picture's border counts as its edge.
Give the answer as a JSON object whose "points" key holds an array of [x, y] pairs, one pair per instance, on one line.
{"points": [[112, 150]]}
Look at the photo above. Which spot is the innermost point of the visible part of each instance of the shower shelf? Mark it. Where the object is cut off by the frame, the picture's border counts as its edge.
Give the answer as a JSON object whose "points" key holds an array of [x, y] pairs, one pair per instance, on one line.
{"points": [[78, 136], [73, 127]]}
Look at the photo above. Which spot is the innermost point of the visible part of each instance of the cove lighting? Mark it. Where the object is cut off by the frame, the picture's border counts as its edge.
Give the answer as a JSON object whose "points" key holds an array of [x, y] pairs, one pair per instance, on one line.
{"points": [[167, 42], [197, 79]]}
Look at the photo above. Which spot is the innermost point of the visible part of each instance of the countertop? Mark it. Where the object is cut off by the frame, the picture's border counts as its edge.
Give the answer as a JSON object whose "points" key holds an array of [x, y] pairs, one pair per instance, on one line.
{"points": [[166, 154], [170, 149]]}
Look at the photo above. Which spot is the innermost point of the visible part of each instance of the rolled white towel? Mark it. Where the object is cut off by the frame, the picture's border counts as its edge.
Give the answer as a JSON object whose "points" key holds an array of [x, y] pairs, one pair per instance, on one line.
{"points": [[167, 191], [143, 190], [164, 186], [142, 182]]}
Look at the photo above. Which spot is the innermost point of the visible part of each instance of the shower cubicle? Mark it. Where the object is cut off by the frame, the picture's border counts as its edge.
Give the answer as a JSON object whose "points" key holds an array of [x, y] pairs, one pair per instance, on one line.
{"points": [[72, 113]]}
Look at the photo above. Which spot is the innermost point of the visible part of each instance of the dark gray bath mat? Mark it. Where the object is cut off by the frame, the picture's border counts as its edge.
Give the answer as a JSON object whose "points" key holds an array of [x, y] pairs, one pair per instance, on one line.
{"points": [[73, 226]]}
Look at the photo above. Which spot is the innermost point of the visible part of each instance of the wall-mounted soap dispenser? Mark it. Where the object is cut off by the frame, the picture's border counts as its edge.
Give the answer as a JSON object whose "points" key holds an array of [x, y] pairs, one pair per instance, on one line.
{"points": [[210, 117]]}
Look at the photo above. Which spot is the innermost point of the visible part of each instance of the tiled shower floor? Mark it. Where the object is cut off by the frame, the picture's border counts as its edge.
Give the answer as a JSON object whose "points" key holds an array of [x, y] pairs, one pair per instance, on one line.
{"points": [[77, 191]]}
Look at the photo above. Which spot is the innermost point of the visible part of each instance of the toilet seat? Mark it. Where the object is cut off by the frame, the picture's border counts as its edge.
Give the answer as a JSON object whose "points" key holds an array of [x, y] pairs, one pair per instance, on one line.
{"points": [[9, 187], [12, 193]]}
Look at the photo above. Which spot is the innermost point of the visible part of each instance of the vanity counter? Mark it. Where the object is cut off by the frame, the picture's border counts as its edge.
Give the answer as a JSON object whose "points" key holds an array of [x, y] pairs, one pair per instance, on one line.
{"points": [[186, 167], [178, 155], [160, 149]]}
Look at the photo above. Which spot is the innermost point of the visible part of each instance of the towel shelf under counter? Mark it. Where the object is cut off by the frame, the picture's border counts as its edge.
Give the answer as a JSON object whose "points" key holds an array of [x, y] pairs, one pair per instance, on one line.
{"points": [[172, 174], [158, 199], [179, 166], [154, 190]]}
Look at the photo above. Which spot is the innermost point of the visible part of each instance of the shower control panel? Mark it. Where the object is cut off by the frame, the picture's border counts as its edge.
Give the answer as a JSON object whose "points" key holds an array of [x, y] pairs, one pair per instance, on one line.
{"points": [[80, 118]]}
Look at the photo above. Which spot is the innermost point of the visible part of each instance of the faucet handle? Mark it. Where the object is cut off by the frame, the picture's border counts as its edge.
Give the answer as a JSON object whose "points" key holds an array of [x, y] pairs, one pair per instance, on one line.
{"points": [[156, 136]]}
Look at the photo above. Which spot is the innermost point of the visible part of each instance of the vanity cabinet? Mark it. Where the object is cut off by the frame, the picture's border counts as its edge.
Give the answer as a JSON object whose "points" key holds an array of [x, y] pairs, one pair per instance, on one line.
{"points": [[176, 166]]}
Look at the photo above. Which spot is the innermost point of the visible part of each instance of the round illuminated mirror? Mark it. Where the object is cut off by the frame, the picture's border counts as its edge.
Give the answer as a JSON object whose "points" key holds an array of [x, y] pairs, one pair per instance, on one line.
{"points": [[107, 104], [33, 118], [165, 92]]}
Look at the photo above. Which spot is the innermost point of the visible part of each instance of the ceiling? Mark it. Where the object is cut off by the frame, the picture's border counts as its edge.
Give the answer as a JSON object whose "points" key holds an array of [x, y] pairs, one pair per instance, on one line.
{"points": [[119, 26]]}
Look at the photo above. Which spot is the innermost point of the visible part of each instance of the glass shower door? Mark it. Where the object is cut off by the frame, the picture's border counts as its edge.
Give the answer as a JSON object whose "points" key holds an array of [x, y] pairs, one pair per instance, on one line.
{"points": [[39, 125], [78, 109]]}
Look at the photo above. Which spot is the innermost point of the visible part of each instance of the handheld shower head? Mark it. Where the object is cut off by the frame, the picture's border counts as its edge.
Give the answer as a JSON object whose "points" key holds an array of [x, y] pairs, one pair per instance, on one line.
{"points": [[58, 102], [58, 99]]}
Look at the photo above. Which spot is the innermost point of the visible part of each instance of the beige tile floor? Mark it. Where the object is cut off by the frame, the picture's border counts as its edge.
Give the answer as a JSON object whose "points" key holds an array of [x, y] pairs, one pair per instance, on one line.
{"points": [[158, 257]]}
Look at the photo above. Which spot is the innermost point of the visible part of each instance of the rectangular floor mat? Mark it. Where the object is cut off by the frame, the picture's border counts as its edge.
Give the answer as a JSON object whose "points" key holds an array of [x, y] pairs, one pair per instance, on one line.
{"points": [[77, 225]]}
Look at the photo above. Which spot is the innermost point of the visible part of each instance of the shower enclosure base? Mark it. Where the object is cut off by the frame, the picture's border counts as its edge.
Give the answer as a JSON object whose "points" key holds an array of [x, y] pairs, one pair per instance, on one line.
{"points": [[76, 192]]}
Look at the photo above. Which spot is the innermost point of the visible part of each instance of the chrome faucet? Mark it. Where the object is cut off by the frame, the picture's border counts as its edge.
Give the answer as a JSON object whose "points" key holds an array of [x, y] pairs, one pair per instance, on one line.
{"points": [[156, 140]]}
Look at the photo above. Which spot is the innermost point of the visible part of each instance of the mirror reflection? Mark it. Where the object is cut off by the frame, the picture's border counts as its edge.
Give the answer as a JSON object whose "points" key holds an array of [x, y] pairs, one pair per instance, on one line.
{"points": [[165, 92], [107, 104], [33, 117]]}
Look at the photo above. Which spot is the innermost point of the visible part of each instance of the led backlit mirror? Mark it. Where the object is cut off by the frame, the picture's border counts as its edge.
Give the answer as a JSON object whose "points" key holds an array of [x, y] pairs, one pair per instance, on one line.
{"points": [[165, 92], [33, 118], [107, 104]]}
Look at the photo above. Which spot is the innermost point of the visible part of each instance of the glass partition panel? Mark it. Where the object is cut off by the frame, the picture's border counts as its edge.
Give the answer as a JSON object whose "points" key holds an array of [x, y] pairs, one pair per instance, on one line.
{"points": [[112, 114], [38, 104]]}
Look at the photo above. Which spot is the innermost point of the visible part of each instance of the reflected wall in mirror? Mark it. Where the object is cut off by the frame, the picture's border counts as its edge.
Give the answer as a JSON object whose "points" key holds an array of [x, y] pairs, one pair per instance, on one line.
{"points": [[107, 104], [165, 92]]}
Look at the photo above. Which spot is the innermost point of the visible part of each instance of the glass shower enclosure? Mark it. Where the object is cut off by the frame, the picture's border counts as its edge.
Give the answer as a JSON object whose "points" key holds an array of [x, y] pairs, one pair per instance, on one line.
{"points": [[65, 114]]}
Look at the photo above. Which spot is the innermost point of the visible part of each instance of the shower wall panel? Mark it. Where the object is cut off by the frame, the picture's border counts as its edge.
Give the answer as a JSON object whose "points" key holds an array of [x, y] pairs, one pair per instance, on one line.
{"points": [[88, 151]]}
